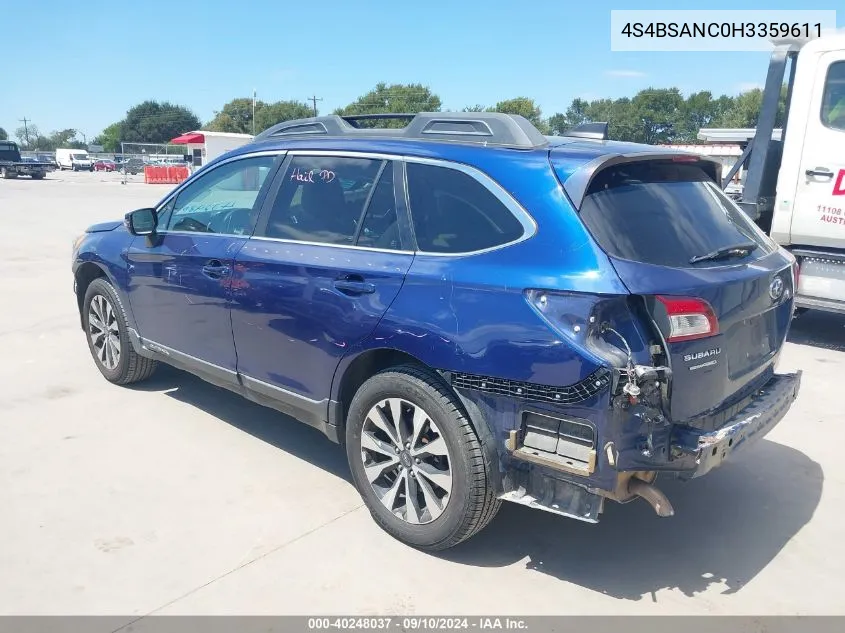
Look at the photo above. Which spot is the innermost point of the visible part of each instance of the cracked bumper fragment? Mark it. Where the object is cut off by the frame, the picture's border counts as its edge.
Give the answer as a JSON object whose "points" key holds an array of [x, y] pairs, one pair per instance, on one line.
{"points": [[746, 427]]}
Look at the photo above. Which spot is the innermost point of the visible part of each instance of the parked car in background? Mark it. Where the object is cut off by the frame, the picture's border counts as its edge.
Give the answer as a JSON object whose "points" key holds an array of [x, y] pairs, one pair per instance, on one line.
{"points": [[105, 165], [132, 166], [477, 312], [48, 159]]}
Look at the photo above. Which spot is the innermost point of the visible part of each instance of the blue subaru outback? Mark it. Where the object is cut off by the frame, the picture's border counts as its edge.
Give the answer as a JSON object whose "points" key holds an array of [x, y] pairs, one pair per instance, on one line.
{"points": [[476, 311]]}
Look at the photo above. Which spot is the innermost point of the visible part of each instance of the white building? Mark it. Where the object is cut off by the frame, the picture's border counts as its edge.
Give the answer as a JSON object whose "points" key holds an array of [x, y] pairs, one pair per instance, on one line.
{"points": [[725, 153], [204, 146]]}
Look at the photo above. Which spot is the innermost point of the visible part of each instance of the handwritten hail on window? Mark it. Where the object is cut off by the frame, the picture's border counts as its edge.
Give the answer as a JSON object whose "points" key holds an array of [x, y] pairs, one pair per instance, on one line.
{"points": [[312, 175]]}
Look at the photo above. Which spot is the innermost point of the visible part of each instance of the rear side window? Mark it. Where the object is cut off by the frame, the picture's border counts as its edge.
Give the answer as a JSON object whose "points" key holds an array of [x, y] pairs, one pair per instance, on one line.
{"points": [[454, 213], [666, 213]]}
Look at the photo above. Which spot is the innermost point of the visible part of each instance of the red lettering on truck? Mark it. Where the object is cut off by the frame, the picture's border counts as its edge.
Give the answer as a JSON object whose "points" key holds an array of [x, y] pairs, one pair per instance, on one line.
{"points": [[839, 185]]}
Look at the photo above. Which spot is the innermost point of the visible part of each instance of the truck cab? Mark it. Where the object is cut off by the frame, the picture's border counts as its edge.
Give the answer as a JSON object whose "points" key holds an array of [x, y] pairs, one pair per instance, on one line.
{"points": [[795, 187]]}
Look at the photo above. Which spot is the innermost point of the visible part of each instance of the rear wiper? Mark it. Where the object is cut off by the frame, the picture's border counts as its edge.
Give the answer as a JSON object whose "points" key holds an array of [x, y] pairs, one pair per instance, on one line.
{"points": [[726, 252]]}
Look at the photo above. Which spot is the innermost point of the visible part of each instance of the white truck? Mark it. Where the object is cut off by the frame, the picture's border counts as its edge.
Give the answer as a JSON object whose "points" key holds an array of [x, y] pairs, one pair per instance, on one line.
{"points": [[75, 159], [795, 187]]}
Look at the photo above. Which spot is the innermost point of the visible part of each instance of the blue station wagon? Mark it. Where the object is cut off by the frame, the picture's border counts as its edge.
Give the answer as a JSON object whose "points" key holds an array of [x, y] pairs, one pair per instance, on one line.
{"points": [[477, 312]]}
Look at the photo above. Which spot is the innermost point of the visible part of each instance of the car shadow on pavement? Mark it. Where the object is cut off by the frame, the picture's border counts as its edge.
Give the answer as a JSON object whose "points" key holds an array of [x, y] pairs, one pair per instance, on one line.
{"points": [[263, 423], [727, 527], [825, 330]]}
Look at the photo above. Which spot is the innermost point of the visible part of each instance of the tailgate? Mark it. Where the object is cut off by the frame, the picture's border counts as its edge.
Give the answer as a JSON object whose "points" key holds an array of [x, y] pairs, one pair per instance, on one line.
{"points": [[718, 293]]}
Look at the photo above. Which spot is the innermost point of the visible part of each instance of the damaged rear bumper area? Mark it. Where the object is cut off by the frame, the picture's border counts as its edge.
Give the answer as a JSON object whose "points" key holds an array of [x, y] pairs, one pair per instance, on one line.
{"points": [[576, 481], [766, 409]]}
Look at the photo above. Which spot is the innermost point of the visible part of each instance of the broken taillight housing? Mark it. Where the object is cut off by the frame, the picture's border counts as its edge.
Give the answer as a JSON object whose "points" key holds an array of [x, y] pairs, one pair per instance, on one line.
{"points": [[688, 318]]}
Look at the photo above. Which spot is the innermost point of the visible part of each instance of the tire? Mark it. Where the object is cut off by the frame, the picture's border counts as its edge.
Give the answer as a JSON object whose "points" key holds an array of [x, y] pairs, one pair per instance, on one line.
{"points": [[446, 512], [103, 305], [4, 173], [37, 176]]}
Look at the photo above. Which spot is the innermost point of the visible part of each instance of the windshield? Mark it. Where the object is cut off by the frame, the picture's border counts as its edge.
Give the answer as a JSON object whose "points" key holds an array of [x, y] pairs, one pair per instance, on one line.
{"points": [[667, 214], [79, 156]]}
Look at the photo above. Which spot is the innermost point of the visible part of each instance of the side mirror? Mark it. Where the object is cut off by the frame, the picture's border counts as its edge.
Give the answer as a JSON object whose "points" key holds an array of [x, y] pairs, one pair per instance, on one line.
{"points": [[141, 221]]}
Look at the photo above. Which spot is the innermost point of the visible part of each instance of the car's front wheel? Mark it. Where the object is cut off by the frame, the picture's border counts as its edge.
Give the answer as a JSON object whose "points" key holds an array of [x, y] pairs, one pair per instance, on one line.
{"points": [[104, 320], [417, 461]]}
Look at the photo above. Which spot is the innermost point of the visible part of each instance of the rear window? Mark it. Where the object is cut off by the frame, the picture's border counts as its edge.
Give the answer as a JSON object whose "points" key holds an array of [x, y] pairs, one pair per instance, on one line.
{"points": [[666, 213]]}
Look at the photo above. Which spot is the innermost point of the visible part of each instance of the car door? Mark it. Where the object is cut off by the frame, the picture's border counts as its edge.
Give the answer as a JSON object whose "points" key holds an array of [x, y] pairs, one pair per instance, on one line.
{"points": [[180, 278], [818, 218], [327, 259]]}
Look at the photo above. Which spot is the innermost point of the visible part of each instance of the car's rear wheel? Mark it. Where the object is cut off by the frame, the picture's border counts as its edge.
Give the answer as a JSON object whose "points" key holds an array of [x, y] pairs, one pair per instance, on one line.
{"points": [[416, 460], [104, 320]]}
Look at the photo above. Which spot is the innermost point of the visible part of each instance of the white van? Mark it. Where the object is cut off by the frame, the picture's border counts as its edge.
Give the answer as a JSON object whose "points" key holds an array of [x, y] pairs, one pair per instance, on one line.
{"points": [[75, 159]]}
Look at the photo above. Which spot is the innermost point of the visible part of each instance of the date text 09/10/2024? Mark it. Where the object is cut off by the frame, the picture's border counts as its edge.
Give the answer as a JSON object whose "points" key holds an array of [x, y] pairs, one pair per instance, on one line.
{"points": [[416, 623]]}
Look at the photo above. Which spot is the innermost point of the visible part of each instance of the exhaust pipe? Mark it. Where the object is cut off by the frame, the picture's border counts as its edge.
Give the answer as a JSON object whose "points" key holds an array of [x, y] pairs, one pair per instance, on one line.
{"points": [[655, 498]]}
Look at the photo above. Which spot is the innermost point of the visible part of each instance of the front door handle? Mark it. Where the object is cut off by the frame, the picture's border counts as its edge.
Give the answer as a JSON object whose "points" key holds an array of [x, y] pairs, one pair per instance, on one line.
{"points": [[819, 172], [215, 269], [354, 285]]}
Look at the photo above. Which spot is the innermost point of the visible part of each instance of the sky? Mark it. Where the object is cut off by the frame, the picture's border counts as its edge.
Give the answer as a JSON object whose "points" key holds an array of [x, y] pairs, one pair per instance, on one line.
{"points": [[83, 64]]}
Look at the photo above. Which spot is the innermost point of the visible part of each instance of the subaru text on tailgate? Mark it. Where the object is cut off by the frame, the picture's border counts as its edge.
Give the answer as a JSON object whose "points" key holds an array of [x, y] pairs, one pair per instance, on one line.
{"points": [[477, 312]]}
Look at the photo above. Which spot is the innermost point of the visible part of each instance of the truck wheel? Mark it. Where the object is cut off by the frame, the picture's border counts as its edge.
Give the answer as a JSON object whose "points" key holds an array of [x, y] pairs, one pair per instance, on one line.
{"points": [[37, 176], [416, 460], [8, 174], [104, 321]]}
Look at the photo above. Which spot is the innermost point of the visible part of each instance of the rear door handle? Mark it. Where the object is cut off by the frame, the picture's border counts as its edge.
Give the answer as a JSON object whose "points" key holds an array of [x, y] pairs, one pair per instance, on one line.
{"points": [[354, 285], [819, 172], [215, 269]]}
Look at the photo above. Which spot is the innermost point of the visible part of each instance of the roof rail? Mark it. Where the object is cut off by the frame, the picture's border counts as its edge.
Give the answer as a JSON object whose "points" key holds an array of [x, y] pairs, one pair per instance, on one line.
{"points": [[485, 128], [596, 131]]}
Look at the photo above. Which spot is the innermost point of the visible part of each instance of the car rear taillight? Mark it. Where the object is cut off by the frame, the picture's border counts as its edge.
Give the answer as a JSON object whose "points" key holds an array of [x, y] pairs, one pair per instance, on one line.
{"points": [[689, 318]]}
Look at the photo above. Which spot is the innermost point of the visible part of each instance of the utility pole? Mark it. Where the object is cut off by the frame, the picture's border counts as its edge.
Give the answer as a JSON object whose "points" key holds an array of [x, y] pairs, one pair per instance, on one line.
{"points": [[314, 99], [25, 129], [253, 111]]}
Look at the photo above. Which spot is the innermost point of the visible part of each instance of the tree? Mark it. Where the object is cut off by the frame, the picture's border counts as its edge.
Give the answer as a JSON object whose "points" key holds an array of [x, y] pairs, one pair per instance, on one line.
{"points": [[64, 138], [236, 116], [280, 111], [575, 114], [657, 110], [109, 138], [3, 135], [154, 122], [474, 108], [26, 135], [524, 107], [394, 98]]}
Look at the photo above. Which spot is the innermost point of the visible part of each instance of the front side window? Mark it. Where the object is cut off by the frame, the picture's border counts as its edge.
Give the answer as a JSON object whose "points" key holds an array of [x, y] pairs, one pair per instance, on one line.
{"points": [[833, 100], [222, 200], [321, 199], [455, 213]]}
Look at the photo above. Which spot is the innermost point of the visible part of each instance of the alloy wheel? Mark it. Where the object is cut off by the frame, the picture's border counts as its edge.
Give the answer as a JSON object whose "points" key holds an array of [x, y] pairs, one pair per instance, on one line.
{"points": [[104, 332], [406, 460]]}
